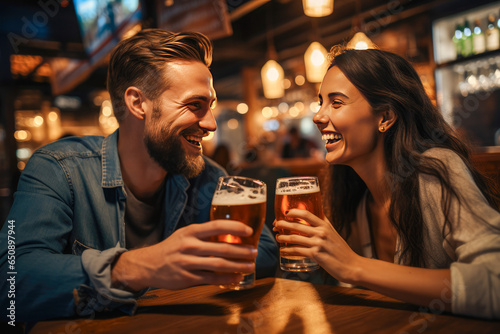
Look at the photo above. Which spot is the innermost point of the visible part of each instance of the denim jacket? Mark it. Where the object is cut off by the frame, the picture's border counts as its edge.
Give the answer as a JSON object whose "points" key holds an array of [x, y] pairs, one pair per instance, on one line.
{"points": [[68, 220]]}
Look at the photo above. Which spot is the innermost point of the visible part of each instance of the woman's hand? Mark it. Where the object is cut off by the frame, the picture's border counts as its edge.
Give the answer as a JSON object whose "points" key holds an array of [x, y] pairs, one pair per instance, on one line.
{"points": [[320, 242]]}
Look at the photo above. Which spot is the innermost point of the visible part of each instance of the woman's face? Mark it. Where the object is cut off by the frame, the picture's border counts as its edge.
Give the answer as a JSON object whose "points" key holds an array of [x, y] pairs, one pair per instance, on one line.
{"points": [[346, 121]]}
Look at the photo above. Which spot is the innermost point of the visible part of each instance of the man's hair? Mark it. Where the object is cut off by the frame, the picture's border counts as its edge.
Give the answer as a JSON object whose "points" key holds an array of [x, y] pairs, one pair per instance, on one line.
{"points": [[140, 61]]}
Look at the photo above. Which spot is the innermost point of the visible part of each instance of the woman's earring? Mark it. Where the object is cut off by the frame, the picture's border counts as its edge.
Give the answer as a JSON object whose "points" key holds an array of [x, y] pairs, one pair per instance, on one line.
{"points": [[382, 129]]}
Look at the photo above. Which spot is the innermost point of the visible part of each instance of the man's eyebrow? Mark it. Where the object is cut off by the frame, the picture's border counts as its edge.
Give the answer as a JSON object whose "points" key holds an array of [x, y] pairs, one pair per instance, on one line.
{"points": [[198, 97]]}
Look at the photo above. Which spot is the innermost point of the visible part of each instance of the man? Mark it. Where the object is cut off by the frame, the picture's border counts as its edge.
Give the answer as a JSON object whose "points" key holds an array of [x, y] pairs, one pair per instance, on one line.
{"points": [[99, 220]]}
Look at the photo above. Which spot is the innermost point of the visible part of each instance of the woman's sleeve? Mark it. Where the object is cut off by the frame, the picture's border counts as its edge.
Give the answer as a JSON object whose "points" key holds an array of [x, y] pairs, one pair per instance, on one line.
{"points": [[472, 242]]}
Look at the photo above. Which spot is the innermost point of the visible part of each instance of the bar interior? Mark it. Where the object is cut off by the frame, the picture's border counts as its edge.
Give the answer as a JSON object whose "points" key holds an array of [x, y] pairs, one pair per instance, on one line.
{"points": [[269, 59]]}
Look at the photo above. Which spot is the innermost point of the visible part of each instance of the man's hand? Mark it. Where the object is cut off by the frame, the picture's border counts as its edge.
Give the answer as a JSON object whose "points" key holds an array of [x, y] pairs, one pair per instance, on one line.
{"points": [[187, 258]]}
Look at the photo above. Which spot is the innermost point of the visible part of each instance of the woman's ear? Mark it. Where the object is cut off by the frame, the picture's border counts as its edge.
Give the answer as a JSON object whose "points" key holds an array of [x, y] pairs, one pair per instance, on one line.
{"points": [[387, 120], [134, 99]]}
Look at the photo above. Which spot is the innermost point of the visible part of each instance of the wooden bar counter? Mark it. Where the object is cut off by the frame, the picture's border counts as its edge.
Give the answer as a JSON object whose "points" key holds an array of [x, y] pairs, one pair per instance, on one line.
{"points": [[275, 305]]}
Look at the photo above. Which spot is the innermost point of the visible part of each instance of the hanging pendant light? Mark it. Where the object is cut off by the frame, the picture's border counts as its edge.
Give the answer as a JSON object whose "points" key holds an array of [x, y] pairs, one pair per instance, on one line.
{"points": [[317, 8], [360, 42], [272, 75], [316, 62]]}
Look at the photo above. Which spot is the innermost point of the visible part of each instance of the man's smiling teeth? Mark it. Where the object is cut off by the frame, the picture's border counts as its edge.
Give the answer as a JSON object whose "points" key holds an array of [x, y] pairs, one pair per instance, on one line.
{"points": [[331, 138], [194, 140]]}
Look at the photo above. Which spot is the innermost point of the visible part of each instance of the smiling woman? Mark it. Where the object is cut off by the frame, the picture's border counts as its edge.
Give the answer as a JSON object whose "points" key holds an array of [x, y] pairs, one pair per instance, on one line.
{"points": [[411, 217]]}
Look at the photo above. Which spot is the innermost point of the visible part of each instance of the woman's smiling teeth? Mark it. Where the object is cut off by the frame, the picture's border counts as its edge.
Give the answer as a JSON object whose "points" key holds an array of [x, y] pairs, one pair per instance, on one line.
{"points": [[195, 140], [331, 138]]}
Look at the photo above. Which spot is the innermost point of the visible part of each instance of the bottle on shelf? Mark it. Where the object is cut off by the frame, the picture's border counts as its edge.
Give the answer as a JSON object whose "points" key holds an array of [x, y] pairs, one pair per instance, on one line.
{"points": [[467, 40], [492, 34], [458, 40], [478, 41]]}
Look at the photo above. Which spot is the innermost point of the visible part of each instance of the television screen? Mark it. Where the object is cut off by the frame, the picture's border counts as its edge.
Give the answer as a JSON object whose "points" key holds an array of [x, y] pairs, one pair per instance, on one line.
{"points": [[101, 21]]}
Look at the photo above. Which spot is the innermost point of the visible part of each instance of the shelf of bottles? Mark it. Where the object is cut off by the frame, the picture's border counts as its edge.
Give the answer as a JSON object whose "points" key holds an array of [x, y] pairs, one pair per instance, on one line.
{"points": [[467, 34], [467, 57]]}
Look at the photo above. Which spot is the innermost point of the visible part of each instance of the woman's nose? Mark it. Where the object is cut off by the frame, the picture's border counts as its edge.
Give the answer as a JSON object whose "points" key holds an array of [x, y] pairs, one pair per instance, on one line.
{"points": [[320, 118]]}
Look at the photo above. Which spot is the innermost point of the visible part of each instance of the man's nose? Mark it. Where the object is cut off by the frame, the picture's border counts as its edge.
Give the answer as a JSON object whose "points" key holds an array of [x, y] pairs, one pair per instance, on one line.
{"points": [[208, 121]]}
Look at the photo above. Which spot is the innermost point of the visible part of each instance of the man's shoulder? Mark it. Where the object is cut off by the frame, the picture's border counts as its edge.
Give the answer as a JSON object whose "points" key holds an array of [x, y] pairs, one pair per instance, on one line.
{"points": [[73, 146]]}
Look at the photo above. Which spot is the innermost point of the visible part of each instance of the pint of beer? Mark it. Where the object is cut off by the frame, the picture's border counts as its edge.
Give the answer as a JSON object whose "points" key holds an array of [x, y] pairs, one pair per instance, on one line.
{"points": [[241, 199], [297, 193]]}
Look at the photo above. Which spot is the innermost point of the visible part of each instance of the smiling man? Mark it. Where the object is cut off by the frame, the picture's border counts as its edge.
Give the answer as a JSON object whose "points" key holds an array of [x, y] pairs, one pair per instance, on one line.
{"points": [[100, 220]]}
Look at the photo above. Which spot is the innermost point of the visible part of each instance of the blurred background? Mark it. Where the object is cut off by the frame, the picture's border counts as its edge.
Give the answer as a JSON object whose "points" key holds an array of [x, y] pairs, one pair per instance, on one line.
{"points": [[269, 58]]}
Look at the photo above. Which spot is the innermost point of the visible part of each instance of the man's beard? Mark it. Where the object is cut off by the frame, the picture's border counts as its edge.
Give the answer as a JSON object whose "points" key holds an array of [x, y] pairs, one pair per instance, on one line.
{"points": [[167, 150]]}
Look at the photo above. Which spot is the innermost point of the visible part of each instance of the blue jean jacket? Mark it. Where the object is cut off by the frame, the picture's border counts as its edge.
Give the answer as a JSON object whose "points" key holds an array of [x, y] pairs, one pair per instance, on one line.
{"points": [[68, 220]]}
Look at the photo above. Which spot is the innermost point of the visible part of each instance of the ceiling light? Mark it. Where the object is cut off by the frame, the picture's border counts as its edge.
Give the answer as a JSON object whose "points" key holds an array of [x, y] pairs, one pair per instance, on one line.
{"points": [[317, 8], [272, 80], [360, 42], [316, 62]]}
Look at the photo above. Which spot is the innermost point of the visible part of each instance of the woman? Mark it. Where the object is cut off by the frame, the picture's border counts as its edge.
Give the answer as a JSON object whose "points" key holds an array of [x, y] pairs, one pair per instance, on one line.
{"points": [[411, 217]]}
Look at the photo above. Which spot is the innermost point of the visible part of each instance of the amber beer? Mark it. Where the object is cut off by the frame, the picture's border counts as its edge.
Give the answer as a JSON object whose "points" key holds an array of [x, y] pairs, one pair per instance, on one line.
{"points": [[244, 200], [299, 193], [251, 214]]}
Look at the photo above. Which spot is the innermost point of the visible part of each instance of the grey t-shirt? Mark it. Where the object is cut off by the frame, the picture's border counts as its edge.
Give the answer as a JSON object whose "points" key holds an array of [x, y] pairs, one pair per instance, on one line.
{"points": [[143, 225]]}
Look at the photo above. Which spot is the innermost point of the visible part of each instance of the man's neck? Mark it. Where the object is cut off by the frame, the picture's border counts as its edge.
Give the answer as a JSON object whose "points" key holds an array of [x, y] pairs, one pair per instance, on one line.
{"points": [[141, 174]]}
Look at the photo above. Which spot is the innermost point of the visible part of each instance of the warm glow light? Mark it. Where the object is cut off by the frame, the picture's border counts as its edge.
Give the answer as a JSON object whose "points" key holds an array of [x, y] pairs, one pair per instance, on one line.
{"points": [[106, 111], [98, 100], [22, 135], [267, 112], [272, 75], [21, 165], [242, 108], [275, 112], [314, 106], [233, 124], [317, 8], [299, 105], [53, 116], [283, 107], [287, 83], [294, 112], [112, 122], [300, 80], [38, 121], [360, 42], [315, 61]]}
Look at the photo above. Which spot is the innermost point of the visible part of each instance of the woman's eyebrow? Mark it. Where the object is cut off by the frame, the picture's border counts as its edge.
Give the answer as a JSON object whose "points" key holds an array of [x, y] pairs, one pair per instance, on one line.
{"points": [[335, 94]]}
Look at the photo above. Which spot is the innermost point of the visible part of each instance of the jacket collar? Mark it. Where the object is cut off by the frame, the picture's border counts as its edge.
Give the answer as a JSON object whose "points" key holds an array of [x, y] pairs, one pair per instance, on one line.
{"points": [[111, 172]]}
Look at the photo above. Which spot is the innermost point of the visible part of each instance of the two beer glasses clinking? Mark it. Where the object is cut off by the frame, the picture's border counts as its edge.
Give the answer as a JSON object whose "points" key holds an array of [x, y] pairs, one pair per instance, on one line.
{"points": [[244, 199]]}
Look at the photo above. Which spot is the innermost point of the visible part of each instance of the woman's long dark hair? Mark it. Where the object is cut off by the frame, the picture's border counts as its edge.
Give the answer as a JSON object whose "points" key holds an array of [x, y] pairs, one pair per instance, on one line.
{"points": [[388, 82]]}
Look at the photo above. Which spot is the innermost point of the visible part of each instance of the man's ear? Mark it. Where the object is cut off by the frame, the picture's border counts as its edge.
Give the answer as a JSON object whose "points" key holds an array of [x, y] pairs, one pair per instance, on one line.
{"points": [[134, 99], [387, 120]]}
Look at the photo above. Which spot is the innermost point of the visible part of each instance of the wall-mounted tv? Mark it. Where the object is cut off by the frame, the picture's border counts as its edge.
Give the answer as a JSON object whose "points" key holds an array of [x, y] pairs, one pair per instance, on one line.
{"points": [[103, 21], [103, 24]]}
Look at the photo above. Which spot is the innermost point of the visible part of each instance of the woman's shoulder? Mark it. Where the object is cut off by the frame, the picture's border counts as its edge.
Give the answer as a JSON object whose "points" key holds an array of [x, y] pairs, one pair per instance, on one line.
{"points": [[444, 154], [450, 159]]}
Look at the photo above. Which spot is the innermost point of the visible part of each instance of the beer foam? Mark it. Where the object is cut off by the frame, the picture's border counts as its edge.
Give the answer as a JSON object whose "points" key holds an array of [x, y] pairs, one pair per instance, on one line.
{"points": [[241, 196], [303, 187], [239, 199]]}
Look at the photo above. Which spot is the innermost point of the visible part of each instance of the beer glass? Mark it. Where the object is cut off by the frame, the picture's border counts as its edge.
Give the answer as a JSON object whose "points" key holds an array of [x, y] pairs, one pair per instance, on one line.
{"points": [[241, 199], [299, 193]]}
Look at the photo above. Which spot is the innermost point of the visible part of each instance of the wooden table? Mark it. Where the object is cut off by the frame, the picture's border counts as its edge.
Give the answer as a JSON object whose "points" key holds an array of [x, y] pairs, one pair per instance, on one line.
{"points": [[275, 305]]}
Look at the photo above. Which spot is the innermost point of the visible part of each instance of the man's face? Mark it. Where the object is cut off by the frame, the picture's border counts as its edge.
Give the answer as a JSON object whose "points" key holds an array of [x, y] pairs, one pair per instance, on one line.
{"points": [[180, 118]]}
